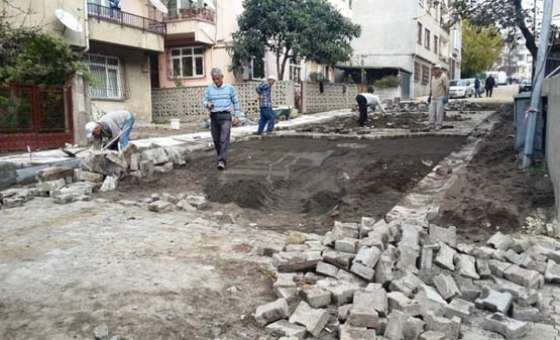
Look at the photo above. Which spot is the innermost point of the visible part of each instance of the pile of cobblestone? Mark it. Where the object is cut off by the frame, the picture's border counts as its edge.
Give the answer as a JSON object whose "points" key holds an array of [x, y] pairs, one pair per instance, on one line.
{"points": [[399, 281], [422, 106], [99, 171]]}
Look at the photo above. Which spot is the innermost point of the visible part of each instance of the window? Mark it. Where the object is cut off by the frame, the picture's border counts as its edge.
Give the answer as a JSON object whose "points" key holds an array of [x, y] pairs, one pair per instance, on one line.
{"points": [[416, 72], [425, 75], [427, 38], [436, 45], [257, 68], [187, 62], [419, 38], [106, 72], [295, 70]]}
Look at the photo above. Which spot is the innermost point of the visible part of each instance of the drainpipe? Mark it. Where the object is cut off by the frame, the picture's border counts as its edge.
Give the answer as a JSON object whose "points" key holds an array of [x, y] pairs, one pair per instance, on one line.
{"points": [[86, 26], [538, 81]]}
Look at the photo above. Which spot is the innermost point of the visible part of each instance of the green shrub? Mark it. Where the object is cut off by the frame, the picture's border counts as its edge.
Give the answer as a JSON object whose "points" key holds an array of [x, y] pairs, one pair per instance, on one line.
{"points": [[387, 82]]}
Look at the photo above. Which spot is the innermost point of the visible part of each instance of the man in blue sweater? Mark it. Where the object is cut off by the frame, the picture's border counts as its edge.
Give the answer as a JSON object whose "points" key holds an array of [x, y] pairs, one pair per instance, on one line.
{"points": [[267, 115], [220, 100]]}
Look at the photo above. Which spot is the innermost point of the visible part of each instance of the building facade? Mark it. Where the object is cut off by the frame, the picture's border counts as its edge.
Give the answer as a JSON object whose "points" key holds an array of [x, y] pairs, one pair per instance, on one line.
{"points": [[405, 39]]}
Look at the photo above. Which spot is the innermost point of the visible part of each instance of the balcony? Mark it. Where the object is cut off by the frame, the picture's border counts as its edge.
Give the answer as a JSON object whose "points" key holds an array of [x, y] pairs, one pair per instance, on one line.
{"points": [[197, 24], [114, 26]]}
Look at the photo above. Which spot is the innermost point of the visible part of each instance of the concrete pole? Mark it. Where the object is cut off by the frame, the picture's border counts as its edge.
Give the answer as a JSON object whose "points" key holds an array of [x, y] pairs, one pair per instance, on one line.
{"points": [[533, 110]]}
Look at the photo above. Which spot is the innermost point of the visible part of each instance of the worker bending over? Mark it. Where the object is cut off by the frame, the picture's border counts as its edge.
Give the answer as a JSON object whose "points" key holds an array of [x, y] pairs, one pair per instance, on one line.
{"points": [[112, 131], [366, 100]]}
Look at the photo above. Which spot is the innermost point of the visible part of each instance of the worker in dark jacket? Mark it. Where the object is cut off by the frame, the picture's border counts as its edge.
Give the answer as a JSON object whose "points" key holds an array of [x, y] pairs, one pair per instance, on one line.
{"points": [[489, 85]]}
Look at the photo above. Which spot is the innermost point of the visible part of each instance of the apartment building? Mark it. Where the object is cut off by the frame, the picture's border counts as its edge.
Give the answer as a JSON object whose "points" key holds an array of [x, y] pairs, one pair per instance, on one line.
{"points": [[404, 39], [198, 35]]}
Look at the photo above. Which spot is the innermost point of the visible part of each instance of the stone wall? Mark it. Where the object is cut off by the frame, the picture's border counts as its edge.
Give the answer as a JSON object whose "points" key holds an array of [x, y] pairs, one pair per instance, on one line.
{"points": [[552, 90], [334, 97], [185, 103]]}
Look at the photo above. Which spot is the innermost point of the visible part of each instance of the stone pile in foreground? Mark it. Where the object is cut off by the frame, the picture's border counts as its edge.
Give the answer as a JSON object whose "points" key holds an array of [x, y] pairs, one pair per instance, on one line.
{"points": [[378, 280]]}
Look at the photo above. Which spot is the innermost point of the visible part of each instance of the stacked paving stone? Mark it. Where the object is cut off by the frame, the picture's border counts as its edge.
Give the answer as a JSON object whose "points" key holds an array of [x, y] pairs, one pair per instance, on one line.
{"points": [[100, 171], [378, 280], [456, 105]]}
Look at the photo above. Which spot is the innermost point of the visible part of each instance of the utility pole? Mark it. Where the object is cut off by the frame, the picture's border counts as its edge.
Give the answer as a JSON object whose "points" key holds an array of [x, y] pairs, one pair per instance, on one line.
{"points": [[533, 111]]}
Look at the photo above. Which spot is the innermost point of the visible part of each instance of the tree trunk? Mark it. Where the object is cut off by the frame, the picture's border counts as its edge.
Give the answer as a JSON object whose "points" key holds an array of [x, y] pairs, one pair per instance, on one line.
{"points": [[283, 67], [279, 72], [527, 34]]}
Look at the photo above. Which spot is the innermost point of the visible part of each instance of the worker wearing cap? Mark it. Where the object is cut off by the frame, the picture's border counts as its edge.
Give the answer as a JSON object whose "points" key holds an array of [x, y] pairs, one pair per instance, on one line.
{"points": [[268, 116], [365, 100], [113, 128], [439, 91]]}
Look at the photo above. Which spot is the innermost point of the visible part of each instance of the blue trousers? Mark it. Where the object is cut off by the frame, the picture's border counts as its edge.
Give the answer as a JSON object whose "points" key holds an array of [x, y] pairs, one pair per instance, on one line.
{"points": [[127, 128], [267, 118]]}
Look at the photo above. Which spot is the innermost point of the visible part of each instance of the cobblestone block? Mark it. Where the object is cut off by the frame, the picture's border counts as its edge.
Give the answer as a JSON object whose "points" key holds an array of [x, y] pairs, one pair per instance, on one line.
{"points": [[326, 269], [445, 235], [285, 328], [431, 335], [400, 302], [407, 259], [356, 333], [460, 308], [295, 261], [363, 312], [509, 328], [317, 297], [314, 320], [498, 268], [466, 266], [339, 259], [527, 278], [346, 245], [445, 256], [483, 268], [384, 270], [395, 325], [501, 241], [413, 327], [368, 256], [450, 327], [522, 295], [552, 273], [271, 312], [362, 271], [342, 293], [527, 313], [408, 284], [495, 301], [446, 286]]}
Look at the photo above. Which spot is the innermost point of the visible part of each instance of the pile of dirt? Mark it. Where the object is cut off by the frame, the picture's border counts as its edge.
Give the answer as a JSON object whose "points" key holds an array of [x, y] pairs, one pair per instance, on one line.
{"points": [[303, 183], [412, 121], [494, 194]]}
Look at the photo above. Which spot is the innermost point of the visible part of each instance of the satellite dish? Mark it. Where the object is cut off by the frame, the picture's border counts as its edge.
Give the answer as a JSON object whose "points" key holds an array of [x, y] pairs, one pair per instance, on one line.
{"points": [[159, 5], [68, 20]]}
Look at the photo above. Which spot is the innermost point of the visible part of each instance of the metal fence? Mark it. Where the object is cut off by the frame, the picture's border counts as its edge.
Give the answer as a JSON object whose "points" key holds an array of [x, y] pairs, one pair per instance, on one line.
{"points": [[119, 17], [35, 116]]}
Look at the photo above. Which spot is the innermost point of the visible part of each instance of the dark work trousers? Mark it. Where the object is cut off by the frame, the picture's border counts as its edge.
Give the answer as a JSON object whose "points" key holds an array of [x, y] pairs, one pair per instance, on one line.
{"points": [[362, 105], [220, 125], [489, 92]]}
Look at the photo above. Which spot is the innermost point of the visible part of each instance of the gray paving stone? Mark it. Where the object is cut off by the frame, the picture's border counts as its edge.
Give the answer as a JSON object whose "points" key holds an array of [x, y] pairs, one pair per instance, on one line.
{"points": [[431, 335], [286, 280], [271, 312], [356, 333], [346, 245], [288, 294], [466, 266], [399, 301], [552, 273], [378, 299], [395, 325], [501, 241], [363, 271], [527, 313], [483, 268], [495, 301], [339, 259], [413, 327], [316, 297], [410, 237], [326, 269], [445, 235], [460, 308], [445, 256], [407, 284], [363, 312], [285, 328], [465, 248], [314, 320], [498, 268], [469, 291], [522, 295], [366, 226], [384, 270], [508, 327], [430, 300], [450, 327], [368, 256], [345, 276], [522, 260], [343, 311], [446, 286], [342, 293], [295, 261], [483, 252], [427, 258], [407, 259], [525, 277]]}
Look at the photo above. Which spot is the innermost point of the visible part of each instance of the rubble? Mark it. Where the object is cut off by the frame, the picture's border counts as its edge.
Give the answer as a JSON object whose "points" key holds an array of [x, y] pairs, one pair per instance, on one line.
{"points": [[314, 320], [271, 312], [509, 328], [284, 328]]}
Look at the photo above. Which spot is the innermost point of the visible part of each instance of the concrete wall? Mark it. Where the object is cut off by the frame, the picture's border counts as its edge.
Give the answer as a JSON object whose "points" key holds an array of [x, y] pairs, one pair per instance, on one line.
{"points": [[552, 90], [334, 97], [185, 103], [136, 82], [109, 32], [41, 14]]}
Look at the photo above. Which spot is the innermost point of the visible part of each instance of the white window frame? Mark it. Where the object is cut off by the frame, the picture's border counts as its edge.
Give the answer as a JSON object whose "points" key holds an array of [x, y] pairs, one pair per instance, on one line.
{"points": [[180, 58], [107, 67]]}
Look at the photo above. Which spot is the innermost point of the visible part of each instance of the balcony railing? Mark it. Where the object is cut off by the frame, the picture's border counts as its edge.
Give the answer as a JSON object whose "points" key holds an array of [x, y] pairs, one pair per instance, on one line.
{"points": [[119, 17], [199, 13]]}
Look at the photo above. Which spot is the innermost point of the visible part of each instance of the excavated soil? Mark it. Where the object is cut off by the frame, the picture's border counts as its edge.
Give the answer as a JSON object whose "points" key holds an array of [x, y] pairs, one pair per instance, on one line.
{"points": [[494, 194], [415, 122], [304, 184]]}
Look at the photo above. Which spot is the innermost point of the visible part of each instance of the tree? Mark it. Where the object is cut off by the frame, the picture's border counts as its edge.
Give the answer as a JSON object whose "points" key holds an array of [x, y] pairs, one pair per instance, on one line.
{"points": [[509, 15], [292, 29], [482, 46]]}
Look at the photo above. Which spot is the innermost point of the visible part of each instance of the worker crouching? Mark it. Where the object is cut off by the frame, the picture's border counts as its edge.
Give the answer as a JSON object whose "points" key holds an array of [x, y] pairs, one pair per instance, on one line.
{"points": [[112, 131]]}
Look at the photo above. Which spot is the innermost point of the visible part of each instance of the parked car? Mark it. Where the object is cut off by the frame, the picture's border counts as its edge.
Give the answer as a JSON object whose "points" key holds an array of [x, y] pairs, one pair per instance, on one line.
{"points": [[461, 88], [525, 86]]}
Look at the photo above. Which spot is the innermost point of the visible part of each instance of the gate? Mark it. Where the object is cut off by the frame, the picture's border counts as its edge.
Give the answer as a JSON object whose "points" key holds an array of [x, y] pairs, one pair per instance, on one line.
{"points": [[35, 116], [405, 85]]}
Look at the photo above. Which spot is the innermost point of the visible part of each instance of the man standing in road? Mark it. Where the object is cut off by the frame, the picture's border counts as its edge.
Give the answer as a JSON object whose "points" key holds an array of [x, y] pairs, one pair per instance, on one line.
{"points": [[489, 85], [220, 100], [439, 92], [366, 100], [476, 88], [267, 115]]}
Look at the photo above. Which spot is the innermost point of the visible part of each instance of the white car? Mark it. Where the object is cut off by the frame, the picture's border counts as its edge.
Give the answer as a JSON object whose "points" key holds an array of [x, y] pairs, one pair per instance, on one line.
{"points": [[462, 88]]}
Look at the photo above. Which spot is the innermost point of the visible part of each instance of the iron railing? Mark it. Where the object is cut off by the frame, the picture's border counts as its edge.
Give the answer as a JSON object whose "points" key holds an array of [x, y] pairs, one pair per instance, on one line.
{"points": [[199, 13], [119, 17]]}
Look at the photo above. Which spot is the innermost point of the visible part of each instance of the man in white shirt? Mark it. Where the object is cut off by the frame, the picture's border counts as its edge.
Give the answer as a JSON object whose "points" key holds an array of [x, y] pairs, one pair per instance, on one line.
{"points": [[366, 100], [114, 127]]}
